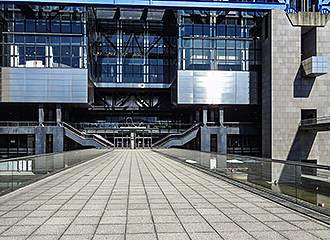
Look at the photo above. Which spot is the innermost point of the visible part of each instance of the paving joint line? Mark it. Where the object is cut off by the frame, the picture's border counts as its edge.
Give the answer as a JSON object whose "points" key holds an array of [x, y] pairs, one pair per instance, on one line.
{"points": [[262, 193], [53, 186], [167, 200], [98, 166], [128, 195], [287, 221], [110, 194], [225, 200], [146, 194], [201, 215]]}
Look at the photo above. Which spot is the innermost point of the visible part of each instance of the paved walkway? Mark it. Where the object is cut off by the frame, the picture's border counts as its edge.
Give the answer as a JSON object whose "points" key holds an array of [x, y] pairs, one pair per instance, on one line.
{"points": [[143, 195]]}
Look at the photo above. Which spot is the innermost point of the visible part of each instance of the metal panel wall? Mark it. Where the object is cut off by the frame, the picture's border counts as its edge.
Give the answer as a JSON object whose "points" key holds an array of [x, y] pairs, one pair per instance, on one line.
{"points": [[44, 85], [217, 87]]}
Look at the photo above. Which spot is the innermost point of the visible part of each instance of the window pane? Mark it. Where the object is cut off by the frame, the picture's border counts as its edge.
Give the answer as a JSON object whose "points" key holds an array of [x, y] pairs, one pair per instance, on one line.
{"points": [[19, 26], [40, 51], [55, 27], [75, 51], [75, 62], [30, 26], [41, 27], [66, 51]]}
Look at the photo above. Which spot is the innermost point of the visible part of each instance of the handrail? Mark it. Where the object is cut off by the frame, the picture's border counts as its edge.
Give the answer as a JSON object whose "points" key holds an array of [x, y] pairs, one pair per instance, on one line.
{"points": [[27, 124], [115, 125], [177, 134], [29, 157], [270, 160], [314, 121], [46, 124], [85, 135]]}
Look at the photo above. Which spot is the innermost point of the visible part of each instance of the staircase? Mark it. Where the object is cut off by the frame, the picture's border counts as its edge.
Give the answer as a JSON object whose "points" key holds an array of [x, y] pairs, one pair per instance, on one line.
{"points": [[174, 140], [85, 139]]}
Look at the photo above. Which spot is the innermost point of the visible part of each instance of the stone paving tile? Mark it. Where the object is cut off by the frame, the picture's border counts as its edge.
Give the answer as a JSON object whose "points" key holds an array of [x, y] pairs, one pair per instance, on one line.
{"points": [[281, 226], [118, 229], [236, 235], [51, 229], [226, 227], [171, 236], [143, 236], [137, 195], [169, 228], [43, 237], [19, 230], [32, 221], [166, 219], [198, 227], [109, 237], [269, 235], [74, 237], [254, 226], [293, 235], [324, 234], [139, 219], [203, 236], [309, 225], [59, 220], [140, 228]]}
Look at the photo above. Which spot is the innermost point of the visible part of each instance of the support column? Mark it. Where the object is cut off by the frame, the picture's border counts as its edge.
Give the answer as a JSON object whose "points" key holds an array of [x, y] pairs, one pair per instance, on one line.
{"points": [[41, 114], [221, 116], [119, 53], [40, 140], [145, 57], [198, 117], [221, 138], [58, 114], [58, 140], [222, 141], [205, 140], [212, 115], [204, 116]]}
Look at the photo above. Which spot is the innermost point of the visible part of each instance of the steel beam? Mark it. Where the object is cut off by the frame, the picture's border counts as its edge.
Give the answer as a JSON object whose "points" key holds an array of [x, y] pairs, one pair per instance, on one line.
{"points": [[159, 3]]}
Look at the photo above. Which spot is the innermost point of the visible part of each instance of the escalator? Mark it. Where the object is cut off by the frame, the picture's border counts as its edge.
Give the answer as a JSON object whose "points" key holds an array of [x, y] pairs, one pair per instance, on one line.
{"points": [[180, 139], [85, 139]]}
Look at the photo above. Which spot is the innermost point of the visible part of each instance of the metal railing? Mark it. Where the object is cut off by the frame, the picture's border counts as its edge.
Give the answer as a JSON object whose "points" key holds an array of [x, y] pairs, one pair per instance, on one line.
{"points": [[239, 124], [27, 124], [18, 172], [177, 135], [81, 134], [304, 183], [315, 121], [151, 125]]}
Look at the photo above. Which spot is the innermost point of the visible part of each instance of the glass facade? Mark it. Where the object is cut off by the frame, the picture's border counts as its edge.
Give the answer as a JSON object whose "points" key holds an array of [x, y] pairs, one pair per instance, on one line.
{"points": [[111, 63], [132, 50], [219, 41], [43, 36]]}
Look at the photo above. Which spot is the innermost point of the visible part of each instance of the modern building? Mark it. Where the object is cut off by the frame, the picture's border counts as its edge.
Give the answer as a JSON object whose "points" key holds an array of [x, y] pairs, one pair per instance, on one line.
{"points": [[221, 76]]}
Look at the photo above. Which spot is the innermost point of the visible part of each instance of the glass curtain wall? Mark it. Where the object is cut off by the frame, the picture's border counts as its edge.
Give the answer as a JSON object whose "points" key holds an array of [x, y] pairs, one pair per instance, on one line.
{"points": [[126, 46], [212, 40], [43, 36]]}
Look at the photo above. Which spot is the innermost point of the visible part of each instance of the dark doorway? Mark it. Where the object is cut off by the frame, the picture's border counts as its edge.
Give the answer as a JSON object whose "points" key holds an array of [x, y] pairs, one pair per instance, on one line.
{"points": [[49, 143], [214, 142]]}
